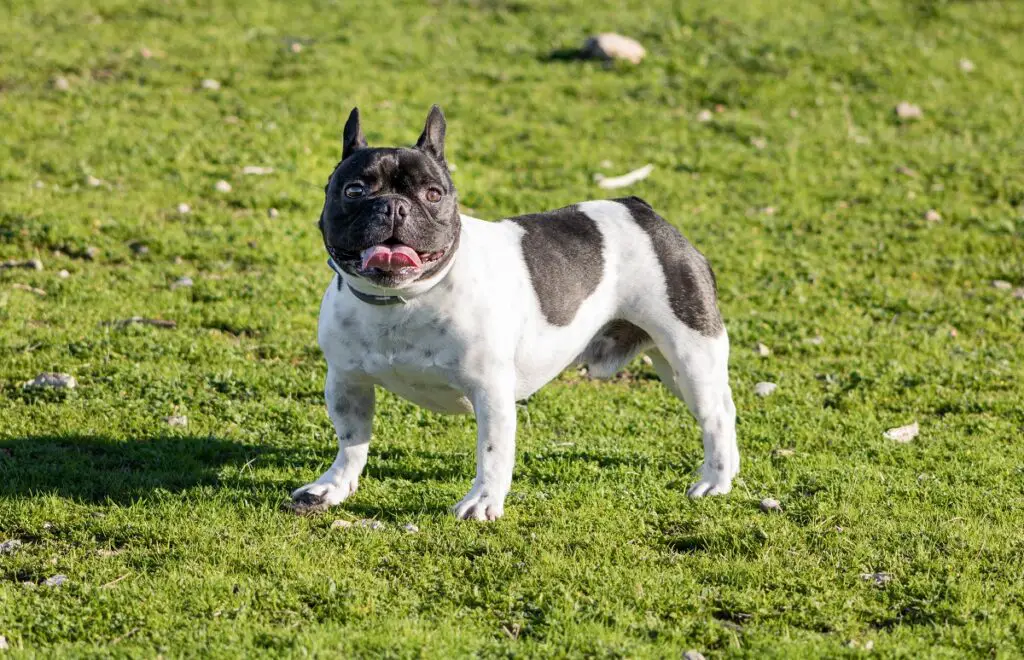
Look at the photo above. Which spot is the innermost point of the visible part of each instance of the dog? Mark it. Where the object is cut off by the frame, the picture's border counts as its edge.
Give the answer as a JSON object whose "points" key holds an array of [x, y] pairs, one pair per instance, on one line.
{"points": [[460, 315]]}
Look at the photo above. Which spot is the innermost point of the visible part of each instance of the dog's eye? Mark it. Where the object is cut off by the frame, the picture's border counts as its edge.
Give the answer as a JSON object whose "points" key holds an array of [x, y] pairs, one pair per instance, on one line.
{"points": [[353, 191], [433, 194]]}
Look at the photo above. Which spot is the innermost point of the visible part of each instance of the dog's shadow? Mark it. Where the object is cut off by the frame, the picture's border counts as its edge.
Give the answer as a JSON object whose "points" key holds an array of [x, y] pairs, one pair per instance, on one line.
{"points": [[92, 468]]}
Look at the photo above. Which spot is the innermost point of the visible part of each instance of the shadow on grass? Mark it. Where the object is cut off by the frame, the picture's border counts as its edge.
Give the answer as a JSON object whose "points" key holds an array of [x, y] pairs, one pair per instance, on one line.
{"points": [[96, 468]]}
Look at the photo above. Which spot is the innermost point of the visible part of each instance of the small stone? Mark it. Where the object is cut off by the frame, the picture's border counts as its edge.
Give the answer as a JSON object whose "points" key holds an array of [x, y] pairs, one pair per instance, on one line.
{"points": [[966, 65], [340, 524], [758, 142], [1019, 293], [10, 546], [903, 434], [3, 643], [273, 213], [176, 420], [184, 208], [769, 505], [139, 248], [31, 264], [764, 389], [182, 282], [782, 452], [762, 350], [817, 340], [411, 528], [905, 110], [611, 46], [369, 523], [38, 184], [704, 116], [222, 186], [145, 53], [57, 381], [868, 645], [452, 167], [55, 581], [693, 655], [210, 83], [93, 181], [880, 579], [257, 170], [63, 274], [91, 253], [61, 84], [1002, 284], [295, 47], [646, 359], [931, 215]]}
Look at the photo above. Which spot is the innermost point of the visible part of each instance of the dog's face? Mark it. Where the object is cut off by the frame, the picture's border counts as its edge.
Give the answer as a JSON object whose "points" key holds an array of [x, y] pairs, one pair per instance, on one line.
{"points": [[391, 216]]}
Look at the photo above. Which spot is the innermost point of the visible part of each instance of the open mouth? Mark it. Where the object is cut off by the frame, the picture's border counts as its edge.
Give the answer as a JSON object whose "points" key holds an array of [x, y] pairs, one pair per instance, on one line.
{"points": [[391, 257]]}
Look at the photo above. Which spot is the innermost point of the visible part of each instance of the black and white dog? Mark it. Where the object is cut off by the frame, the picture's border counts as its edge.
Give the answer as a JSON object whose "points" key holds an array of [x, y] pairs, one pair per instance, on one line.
{"points": [[460, 315]]}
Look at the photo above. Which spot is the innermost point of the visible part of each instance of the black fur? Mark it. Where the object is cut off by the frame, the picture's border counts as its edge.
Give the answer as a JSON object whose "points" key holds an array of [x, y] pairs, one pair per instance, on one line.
{"points": [[564, 252], [691, 283], [394, 206]]}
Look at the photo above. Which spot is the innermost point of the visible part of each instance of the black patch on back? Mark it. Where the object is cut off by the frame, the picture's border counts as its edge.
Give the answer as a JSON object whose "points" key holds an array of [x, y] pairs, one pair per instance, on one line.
{"points": [[692, 290], [564, 251]]}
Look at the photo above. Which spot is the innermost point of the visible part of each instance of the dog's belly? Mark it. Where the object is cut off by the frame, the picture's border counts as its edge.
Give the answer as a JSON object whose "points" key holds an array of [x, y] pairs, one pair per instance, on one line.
{"points": [[432, 393]]}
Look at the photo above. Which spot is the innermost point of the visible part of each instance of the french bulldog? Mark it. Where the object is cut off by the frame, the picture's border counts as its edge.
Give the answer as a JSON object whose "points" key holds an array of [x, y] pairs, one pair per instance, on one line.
{"points": [[461, 315]]}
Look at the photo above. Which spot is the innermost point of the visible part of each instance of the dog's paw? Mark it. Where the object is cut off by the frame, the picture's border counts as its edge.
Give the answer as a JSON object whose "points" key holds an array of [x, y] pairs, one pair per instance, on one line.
{"points": [[709, 487], [318, 497], [480, 505]]}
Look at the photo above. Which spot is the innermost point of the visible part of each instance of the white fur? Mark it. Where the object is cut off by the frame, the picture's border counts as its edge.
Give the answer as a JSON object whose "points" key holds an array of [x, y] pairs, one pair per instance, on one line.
{"points": [[474, 339]]}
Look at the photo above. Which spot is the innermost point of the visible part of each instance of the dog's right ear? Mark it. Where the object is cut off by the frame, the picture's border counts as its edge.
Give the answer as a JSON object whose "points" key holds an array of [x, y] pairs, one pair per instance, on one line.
{"points": [[353, 139]]}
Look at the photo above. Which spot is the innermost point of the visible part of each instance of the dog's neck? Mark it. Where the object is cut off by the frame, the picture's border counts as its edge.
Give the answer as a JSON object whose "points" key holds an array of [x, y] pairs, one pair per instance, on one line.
{"points": [[380, 296]]}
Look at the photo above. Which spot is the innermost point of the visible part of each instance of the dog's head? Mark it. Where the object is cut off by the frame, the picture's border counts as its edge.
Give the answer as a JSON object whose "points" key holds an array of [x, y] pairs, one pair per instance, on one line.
{"points": [[390, 215]]}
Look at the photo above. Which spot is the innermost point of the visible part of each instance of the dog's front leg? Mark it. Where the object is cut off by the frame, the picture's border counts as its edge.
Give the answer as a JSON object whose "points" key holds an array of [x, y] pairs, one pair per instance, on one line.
{"points": [[350, 407], [495, 409]]}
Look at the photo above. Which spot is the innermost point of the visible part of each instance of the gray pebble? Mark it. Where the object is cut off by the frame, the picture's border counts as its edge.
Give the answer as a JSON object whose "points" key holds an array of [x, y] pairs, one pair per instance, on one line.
{"points": [[184, 208], [411, 528], [693, 655], [91, 253], [880, 579], [10, 546], [176, 420], [762, 350], [57, 381], [1001, 284], [182, 282], [3, 643], [764, 389], [340, 524], [56, 580], [273, 213], [769, 505], [369, 523]]}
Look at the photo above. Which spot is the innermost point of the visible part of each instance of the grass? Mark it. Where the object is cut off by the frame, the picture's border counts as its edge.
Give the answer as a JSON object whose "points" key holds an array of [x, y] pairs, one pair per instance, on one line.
{"points": [[171, 537]]}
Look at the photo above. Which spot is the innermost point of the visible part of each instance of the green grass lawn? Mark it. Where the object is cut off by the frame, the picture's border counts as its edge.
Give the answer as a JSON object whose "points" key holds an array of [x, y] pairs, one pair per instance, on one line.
{"points": [[804, 189]]}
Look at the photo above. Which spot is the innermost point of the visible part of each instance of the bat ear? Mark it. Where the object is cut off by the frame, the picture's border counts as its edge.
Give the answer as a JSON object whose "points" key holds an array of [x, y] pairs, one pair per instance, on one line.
{"points": [[352, 139], [432, 139]]}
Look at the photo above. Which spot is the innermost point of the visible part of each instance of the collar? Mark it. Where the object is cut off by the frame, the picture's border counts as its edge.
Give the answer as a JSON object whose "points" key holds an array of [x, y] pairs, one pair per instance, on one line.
{"points": [[366, 297]]}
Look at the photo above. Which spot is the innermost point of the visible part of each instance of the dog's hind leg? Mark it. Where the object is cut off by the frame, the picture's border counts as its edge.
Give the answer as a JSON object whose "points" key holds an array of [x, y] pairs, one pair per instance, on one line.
{"points": [[694, 367]]}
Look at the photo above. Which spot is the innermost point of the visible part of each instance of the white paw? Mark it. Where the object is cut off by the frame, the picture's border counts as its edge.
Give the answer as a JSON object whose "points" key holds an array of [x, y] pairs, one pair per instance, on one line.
{"points": [[479, 504], [321, 495], [712, 482]]}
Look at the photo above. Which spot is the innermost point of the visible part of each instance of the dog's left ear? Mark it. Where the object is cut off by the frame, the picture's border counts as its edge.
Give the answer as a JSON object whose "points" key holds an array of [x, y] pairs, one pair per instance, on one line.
{"points": [[432, 139]]}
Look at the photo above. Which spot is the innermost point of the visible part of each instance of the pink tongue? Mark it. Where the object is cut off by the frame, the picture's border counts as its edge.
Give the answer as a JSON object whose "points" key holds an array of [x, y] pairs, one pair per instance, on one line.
{"points": [[390, 258]]}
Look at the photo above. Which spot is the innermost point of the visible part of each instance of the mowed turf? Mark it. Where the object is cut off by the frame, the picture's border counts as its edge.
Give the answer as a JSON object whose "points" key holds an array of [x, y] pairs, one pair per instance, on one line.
{"points": [[805, 190]]}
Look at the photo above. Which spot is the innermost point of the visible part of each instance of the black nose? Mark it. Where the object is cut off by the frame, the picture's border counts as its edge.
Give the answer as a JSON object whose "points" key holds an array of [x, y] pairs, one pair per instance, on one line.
{"points": [[395, 208]]}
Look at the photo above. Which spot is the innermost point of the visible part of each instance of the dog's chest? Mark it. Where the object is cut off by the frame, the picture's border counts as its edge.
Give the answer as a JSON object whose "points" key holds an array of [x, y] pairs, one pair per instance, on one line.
{"points": [[418, 354]]}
